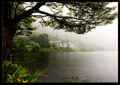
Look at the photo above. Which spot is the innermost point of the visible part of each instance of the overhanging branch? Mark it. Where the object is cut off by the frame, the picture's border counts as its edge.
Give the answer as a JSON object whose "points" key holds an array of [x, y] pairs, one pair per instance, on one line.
{"points": [[53, 15], [16, 8], [38, 16], [63, 17], [23, 10], [28, 12], [71, 8]]}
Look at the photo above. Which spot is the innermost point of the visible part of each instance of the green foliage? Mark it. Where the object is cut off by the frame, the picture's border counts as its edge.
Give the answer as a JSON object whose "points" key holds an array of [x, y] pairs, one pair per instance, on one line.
{"points": [[34, 43], [14, 73], [42, 39], [70, 79], [36, 47], [24, 26], [74, 79], [57, 48], [33, 47], [30, 19], [25, 44], [13, 59], [82, 16], [31, 43], [21, 42], [28, 48], [66, 49], [14, 44]]}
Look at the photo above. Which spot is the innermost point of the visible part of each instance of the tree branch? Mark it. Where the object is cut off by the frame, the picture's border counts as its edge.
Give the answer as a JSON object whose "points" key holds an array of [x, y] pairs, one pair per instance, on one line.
{"points": [[28, 13], [43, 20], [10, 9], [38, 16], [22, 10], [16, 8], [71, 8], [53, 15]]}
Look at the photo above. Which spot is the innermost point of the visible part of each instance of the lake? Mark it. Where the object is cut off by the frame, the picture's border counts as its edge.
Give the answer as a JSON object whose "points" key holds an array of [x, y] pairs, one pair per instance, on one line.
{"points": [[93, 66]]}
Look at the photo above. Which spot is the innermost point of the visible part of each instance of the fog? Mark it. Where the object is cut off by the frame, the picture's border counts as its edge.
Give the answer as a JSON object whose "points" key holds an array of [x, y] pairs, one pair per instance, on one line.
{"points": [[101, 38]]}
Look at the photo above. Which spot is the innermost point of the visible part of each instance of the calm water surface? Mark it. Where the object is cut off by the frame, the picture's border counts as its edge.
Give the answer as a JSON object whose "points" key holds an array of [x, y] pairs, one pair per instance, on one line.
{"points": [[93, 66]]}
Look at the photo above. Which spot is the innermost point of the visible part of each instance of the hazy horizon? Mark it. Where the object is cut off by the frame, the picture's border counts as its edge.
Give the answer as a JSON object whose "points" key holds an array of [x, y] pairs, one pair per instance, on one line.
{"points": [[100, 36], [105, 37]]}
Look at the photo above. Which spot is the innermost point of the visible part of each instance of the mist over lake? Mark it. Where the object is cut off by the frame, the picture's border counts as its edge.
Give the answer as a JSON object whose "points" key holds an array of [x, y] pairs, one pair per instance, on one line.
{"points": [[94, 66], [94, 57], [59, 42], [99, 64], [96, 39]]}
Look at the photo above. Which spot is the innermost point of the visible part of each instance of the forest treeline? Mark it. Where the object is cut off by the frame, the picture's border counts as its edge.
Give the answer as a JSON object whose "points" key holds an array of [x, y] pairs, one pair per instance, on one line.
{"points": [[36, 43]]}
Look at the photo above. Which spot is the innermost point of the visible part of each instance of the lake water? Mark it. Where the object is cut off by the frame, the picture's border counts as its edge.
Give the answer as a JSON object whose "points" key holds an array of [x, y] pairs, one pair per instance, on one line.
{"points": [[93, 66]]}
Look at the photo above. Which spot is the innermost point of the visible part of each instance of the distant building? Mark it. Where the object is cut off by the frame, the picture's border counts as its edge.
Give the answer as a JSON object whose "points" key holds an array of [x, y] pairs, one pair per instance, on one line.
{"points": [[63, 43]]}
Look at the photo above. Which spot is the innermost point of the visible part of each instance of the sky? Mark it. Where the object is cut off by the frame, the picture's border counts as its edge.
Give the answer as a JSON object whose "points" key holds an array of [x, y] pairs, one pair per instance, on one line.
{"points": [[103, 36], [111, 29]]}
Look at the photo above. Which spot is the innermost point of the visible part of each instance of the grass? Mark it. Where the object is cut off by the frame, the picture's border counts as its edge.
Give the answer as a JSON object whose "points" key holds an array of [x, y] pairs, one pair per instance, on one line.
{"points": [[75, 79]]}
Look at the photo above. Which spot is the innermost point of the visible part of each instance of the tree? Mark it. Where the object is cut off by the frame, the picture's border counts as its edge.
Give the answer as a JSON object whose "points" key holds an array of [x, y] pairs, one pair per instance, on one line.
{"points": [[43, 40], [36, 47], [83, 17], [21, 42], [33, 37], [24, 26], [33, 46]]}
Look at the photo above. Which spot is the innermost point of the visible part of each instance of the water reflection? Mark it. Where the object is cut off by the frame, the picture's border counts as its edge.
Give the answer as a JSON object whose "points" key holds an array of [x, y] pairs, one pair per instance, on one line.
{"points": [[33, 61], [93, 66]]}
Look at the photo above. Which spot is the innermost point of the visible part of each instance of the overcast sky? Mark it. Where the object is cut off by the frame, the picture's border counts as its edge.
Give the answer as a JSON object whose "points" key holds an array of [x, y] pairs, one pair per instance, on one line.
{"points": [[111, 29], [104, 36]]}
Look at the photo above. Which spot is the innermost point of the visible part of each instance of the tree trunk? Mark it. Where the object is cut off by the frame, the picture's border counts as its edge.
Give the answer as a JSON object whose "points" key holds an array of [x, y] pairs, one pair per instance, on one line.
{"points": [[9, 26], [8, 34]]}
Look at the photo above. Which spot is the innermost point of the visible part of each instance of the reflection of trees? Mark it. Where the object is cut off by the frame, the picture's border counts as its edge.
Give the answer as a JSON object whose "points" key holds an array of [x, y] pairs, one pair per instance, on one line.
{"points": [[33, 61], [67, 56]]}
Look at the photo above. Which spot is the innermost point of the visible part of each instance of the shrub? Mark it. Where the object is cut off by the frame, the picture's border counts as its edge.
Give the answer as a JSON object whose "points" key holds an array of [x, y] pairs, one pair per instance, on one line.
{"points": [[36, 47], [14, 73], [28, 48], [70, 79]]}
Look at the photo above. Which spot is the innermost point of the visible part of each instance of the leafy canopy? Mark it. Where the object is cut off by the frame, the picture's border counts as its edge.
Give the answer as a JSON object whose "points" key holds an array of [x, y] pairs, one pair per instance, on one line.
{"points": [[82, 16], [24, 26]]}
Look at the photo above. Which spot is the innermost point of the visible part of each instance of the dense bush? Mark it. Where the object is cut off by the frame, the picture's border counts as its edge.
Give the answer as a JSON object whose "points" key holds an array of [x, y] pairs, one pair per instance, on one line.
{"points": [[35, 43], [28, 48], [14, 73]]}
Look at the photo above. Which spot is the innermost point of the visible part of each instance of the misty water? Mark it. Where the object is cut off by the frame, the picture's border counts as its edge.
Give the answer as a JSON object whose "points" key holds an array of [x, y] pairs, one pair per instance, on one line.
{"points": [[93, 66]]}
